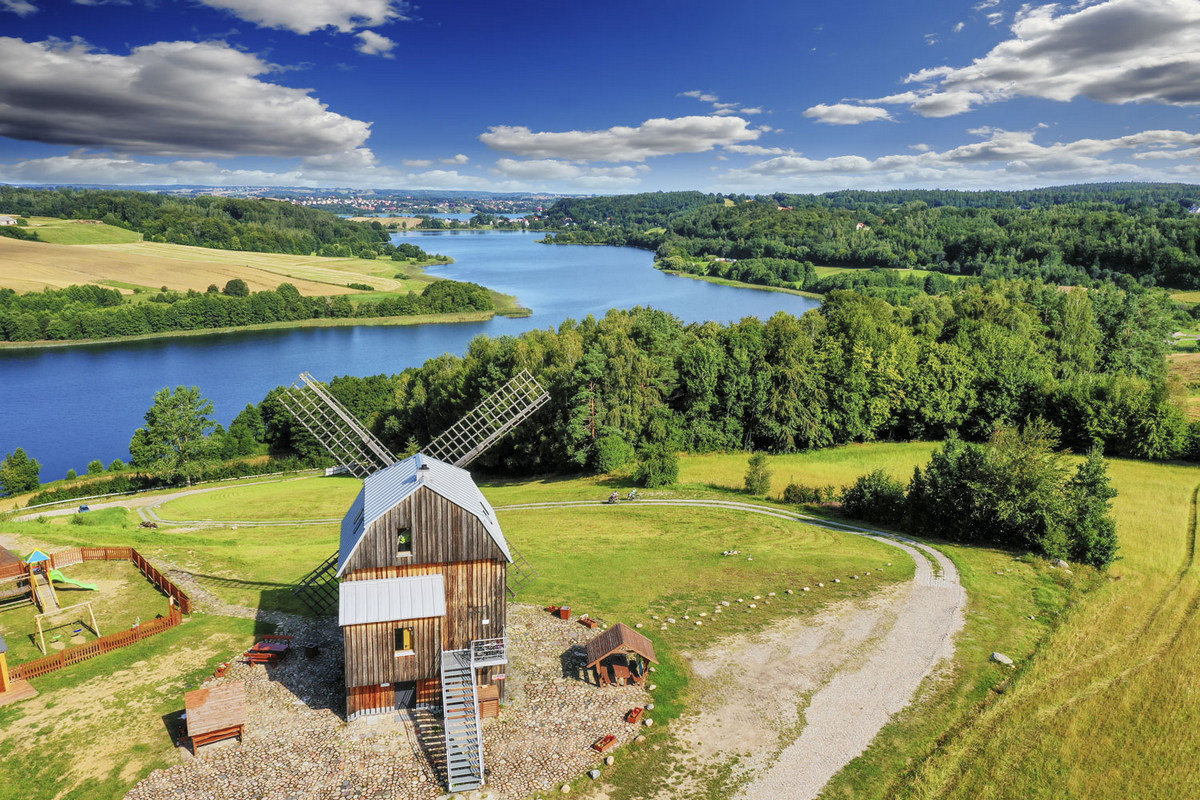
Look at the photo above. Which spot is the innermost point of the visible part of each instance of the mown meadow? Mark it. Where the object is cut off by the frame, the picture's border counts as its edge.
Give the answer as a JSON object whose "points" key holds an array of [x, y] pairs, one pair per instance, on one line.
{"points": [[1099, 703]]}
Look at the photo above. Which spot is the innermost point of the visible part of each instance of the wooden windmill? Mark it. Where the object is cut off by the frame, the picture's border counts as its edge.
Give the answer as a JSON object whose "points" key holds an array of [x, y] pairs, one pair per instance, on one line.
{"points": [[421, 576]]}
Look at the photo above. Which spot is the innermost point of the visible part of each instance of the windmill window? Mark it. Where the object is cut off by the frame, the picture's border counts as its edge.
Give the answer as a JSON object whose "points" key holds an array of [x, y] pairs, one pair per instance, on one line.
{"points": [[404, 539], [404, 642]]}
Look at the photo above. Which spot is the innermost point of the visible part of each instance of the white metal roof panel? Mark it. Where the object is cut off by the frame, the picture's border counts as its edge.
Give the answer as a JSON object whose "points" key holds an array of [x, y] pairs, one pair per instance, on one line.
{"points": [[382, 490], [391, 599]]}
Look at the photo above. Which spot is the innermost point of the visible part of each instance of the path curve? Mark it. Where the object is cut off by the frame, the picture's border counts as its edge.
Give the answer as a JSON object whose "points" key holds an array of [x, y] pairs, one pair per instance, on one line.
{"points": [[844, 716]]}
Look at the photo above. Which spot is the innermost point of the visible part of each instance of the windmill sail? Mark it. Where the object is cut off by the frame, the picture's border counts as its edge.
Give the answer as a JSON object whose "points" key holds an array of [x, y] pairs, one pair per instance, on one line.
{"points": [[362, 453], [335, 427], [489, 421]]}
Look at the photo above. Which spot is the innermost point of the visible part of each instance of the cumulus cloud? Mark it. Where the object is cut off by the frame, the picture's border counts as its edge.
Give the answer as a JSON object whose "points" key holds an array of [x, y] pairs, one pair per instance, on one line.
{"points": [[654, 137], [373, 44], [22, 8], [306, 16], [845, 114], [84, 168], [168, 98], [958, 27], [1118, 51], [461, 158], [758, 150], [1001, 158], [542, 170], [417, 162]]}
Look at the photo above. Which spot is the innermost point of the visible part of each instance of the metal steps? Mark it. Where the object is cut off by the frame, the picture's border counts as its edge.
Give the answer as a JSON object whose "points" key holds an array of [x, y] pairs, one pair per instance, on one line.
{"points": [[460, 710]]}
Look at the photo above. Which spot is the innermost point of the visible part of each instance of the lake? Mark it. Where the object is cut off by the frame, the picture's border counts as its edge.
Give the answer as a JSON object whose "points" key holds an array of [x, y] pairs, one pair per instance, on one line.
{"points": [[69, 405]]}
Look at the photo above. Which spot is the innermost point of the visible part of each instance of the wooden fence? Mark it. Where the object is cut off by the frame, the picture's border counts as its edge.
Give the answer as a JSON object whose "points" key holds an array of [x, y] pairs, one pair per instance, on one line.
{"points": [[179, 605]]}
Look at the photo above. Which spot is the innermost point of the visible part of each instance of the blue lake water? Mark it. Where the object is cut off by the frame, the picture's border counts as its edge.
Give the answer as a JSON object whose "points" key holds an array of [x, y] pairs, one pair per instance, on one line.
{"points": [[69, 405]]}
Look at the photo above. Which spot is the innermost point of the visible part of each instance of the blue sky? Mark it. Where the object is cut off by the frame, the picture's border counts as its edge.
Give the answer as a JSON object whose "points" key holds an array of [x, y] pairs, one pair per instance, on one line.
{"points": [[590, 96]]}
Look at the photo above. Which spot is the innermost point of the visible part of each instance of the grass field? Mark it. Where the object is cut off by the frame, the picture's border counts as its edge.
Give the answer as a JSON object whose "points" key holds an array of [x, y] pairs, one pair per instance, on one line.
{"points": [[77, 231], [1102, 703], [1185, 368]]}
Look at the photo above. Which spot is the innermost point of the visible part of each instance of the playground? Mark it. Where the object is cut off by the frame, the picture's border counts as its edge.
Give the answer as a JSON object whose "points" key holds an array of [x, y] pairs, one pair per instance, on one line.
{"points": [[85, 601]]}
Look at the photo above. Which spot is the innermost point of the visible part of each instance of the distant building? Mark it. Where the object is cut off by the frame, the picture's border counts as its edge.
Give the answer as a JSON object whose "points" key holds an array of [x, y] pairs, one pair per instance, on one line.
{"points": [[8, 220], [862, 226]]}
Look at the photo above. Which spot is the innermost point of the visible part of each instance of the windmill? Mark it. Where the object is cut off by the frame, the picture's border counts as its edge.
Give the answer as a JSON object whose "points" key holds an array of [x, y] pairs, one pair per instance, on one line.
{"points": [[363, 454]]}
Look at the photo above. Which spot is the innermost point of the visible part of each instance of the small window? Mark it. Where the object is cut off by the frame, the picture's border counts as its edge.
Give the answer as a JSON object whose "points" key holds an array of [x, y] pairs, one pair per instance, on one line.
{"points": [[404, 541], [404, 642]]}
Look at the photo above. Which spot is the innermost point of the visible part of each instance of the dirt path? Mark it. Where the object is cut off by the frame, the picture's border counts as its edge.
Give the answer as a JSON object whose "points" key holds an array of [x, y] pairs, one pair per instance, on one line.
{"points": [[855, 664]]}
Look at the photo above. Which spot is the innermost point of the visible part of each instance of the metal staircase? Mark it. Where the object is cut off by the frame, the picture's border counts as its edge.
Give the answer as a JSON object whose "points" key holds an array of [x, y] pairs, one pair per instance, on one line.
{"points": [[460, 710]]}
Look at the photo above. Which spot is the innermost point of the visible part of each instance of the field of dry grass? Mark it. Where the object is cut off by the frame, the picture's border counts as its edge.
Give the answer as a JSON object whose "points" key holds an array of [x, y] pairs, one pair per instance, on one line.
{"points": [[33, 266]]}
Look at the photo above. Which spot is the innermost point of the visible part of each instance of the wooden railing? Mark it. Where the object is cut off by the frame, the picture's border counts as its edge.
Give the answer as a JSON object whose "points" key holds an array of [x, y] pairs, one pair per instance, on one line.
{"points": [[178, 605], [105, 644]]}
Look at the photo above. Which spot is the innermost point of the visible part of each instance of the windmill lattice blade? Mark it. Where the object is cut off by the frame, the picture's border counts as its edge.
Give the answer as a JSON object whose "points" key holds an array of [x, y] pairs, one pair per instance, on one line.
{"points": [[335, 427], [498, 414], [319, 589]]}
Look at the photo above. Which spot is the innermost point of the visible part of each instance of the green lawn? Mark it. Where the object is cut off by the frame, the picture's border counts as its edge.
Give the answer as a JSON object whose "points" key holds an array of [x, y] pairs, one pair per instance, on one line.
{"points": [[71, 231], [300, 499]]}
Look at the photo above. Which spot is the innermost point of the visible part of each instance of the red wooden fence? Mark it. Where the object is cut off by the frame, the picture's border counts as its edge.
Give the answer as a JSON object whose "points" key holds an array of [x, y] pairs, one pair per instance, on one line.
{"points": [[180, 604]]}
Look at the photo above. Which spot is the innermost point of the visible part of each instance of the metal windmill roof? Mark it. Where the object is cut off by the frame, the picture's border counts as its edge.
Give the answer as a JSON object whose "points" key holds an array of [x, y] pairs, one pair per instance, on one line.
{"points": [[391, 599], [382, 490]]}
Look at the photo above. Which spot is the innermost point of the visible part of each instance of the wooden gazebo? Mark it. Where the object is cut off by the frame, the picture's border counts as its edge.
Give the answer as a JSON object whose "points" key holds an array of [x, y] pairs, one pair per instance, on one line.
{"points": [[619, 643], [218, 712]]}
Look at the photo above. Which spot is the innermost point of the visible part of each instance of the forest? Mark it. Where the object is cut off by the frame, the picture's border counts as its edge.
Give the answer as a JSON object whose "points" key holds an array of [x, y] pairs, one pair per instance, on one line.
{"points": [[223, 223], [1071, 235], [1091, 363], [94, 312]]}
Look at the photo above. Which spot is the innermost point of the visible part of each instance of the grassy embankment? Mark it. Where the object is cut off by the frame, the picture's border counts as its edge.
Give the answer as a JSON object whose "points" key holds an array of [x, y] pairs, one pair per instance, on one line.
{"points": [[822, 272], [75, 252], [1120, 648]]}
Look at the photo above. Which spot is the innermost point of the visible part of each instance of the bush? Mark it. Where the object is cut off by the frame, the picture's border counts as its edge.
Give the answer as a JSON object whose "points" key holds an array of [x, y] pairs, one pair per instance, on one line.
{"points": [[95, 467], [235, 288], [361, 286], [611, 453], [659, 467], [876, 498], [116, 466], [72, 474], [758, 476], [800, 494]]}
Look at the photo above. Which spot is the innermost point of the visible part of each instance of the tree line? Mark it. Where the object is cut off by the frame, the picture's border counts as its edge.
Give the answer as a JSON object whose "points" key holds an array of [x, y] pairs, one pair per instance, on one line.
{"points": [[225, 223], [1073, 237], [94, 312]]}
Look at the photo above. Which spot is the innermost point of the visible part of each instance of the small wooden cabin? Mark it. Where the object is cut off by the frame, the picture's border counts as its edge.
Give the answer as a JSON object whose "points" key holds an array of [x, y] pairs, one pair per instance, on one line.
{"points": [[422, 566]]}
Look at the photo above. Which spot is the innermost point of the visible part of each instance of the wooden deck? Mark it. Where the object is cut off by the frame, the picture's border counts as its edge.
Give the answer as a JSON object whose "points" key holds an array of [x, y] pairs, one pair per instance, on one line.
{"points": [[17, 691]]}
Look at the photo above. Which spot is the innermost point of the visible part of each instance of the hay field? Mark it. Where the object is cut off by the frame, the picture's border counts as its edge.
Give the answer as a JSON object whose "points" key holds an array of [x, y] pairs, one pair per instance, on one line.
{"points": [[33, 266]]}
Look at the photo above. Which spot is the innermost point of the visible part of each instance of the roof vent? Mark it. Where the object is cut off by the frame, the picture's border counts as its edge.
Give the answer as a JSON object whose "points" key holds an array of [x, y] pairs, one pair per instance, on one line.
{"points": [[421, 463]]}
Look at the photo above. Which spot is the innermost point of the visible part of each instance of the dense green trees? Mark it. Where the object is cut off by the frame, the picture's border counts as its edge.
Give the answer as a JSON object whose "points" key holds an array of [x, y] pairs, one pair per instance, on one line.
{"points": [[858, 369], [174, 440], [1072, 235], [92, 312], [19, 473]]}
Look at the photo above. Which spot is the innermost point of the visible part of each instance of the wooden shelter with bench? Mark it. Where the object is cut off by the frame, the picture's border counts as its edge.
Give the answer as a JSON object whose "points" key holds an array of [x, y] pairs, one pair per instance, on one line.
{"points": [[620, 655], [215, 713]]}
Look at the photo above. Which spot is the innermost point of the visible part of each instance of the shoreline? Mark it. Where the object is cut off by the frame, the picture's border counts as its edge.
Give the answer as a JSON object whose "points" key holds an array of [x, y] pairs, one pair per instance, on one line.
{"points": [[324, 322], [740, 285]]}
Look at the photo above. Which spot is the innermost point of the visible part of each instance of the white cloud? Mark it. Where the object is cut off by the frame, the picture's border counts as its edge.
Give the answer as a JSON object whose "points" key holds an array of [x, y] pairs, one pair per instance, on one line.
{"points": [[758, 150], [82, 168], [995, 18], [373, 44], [720, 109], [654, 137], [22, 8], [168, 98], [1002, 158], [417, 162], [958, 27], [457, 159], [845, 114], [306, 16], [985, 4], [1117, 51], [541, 170]]}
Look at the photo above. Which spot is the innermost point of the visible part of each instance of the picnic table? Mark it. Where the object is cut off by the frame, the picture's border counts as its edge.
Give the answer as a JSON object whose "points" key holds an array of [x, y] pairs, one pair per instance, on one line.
{"points": [[269, 650]]}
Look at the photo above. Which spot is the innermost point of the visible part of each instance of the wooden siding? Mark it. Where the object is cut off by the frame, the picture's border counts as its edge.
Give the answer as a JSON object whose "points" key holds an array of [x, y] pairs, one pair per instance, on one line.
{"points": [[371, 656], [429, 692], [474, 593], [369, 698], [441, 532]]}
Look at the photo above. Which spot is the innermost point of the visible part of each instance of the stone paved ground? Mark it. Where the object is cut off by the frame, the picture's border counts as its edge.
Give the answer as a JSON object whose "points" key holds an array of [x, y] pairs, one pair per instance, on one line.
{"points": [[297, 747]]}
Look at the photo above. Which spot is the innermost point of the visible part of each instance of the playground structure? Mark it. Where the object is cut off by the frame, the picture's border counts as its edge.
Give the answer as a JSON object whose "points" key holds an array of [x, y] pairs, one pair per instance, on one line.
{"points": [[31, 580], [42, 573], [41, 634]]}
